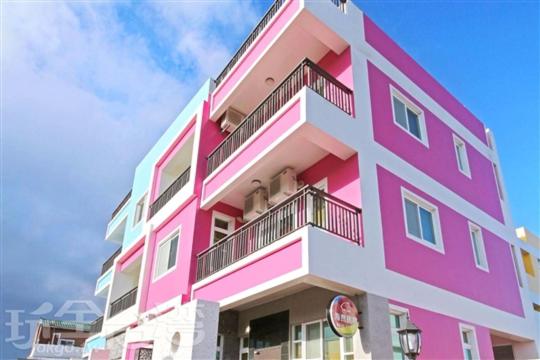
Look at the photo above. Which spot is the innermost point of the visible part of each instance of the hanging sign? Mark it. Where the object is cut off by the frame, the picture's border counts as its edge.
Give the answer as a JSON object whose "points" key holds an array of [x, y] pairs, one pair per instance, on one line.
{"points": [[342, 316]]}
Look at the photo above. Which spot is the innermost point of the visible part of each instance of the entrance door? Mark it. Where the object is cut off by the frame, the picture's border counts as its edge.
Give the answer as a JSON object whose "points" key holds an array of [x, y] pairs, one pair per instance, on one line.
{"points": [[269, 337]]}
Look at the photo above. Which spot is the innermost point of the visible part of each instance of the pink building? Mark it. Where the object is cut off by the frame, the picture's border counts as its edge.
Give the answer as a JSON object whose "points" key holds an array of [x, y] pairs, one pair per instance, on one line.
{"points": [[323, 161]]}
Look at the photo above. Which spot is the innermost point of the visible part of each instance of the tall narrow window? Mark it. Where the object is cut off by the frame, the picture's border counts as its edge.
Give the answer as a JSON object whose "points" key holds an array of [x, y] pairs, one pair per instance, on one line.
{"points": [[422, 221], [478, 247], [397, 321], [498, 180], [313, 340], [297, 342], [219, 347], [222, 226], [408, 116], [528, 262], [139, 210], [461, 156], [244, 348], [468, 343], [516, 266], [166, 255]]}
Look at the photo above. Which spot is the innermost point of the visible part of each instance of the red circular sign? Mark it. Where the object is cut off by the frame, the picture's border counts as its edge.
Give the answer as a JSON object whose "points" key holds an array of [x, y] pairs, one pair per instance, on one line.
{"points": [[342, 316]]}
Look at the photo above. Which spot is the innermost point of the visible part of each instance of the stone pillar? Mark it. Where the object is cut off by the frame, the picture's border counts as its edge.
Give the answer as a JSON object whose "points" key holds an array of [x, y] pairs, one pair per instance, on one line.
{"points": [[228, 328], [375, 341]]}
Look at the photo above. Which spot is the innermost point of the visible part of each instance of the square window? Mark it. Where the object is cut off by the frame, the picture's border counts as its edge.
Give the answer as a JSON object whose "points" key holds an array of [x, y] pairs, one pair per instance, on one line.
{"points": [[166, 255], [461, 156], [408, 116], [139, 210], [422, 221]]}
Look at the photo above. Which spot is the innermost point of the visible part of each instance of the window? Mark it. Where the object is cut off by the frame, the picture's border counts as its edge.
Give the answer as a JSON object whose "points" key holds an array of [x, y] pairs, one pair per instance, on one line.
{"points": [[139, 210], [66, 342], [398, 318], [479, 250], [219, 347], [222, 225], [408, 116], [516, 267], [166, 255], [468, 342], [316, 340], [244, 348], [422, 221], [461, 156], [56, 338], [498, 181], [297, 342], [527, 262]]}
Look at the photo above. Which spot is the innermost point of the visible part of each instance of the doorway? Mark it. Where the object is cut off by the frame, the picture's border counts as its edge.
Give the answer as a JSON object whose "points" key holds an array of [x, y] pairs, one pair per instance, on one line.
{"points": [[269, 337]]}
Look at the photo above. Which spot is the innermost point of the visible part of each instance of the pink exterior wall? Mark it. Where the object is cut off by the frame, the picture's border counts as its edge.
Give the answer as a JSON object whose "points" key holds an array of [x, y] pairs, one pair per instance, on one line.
{"points": [[177, 282], [441, 335], [255, 273], [399, 58], [257, 144], [255, 51], [455, 270], [439, 160], [339, 66], [169, 154], [343, 177]]}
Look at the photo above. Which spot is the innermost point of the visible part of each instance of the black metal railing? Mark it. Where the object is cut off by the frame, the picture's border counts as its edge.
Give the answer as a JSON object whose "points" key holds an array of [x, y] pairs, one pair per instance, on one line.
{"points": [[121, 205], [127, 300], [167, 195], [250, 39], [309, 206], [110, 261], [306, 74], [96, 325]]}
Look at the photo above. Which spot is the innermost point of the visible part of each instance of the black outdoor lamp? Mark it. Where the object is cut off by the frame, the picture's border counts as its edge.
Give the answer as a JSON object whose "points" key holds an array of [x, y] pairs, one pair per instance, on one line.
{"points": [[410, 339]]}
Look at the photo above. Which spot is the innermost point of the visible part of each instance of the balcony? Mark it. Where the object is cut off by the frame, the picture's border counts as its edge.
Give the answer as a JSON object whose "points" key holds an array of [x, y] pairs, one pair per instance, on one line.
{"points": [[96, 325], [110, 261], [124, 302], [121, 205], [307, 74], [168, 194], [309, 206]]}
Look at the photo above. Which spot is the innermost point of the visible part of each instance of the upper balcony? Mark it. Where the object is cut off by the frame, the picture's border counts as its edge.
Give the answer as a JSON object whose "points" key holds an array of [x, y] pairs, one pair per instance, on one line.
{"points": [[291, 27], [105, 276], [117, 225]]}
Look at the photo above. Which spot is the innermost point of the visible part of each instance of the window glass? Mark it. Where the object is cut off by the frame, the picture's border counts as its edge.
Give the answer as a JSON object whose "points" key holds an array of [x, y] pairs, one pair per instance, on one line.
{"points": [[331, 343], [412, 218], [426, 218], [222, 227], [139, 208], [399, 113], [395, 325], [414, 124], [297, 342], [313, 341], [166, 255]]}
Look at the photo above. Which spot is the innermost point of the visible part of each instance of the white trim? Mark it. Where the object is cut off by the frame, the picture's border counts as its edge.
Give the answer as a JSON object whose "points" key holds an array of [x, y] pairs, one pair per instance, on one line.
{"points": [[220, 347], [70, 342], [224, 217], [395, 93], [464, 157], [322, 184], [465, 328], [57, 336], [243, 350], [473, 228], [176, 232], [421, 202]]}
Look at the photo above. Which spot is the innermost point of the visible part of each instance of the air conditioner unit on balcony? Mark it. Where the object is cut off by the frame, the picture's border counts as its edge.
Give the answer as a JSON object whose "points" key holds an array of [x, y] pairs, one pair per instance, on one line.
{"points": [[255, 204], [282, 185], [231, 119]]}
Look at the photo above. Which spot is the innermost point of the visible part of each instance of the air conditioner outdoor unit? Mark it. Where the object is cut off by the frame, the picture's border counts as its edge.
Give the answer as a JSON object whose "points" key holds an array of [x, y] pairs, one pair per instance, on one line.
{"points": [[231, 119], [255, 204], [282, 185]]}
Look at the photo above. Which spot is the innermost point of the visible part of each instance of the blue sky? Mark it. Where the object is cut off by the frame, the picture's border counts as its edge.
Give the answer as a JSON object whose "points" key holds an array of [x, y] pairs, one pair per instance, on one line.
{"points": [[88, 87]]}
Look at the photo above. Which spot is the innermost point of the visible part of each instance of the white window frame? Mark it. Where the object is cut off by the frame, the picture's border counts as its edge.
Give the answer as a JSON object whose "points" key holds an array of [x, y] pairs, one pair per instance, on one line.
{"points": [[399, 311], [170, 236], [56, 338], [220, 347], [224, 217], [473, 228], [301, 341], [320, 322], [463, 156], [474, 346], [142, 211], [395, 93], [243, 350], [419, 201], [68, 342]]}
